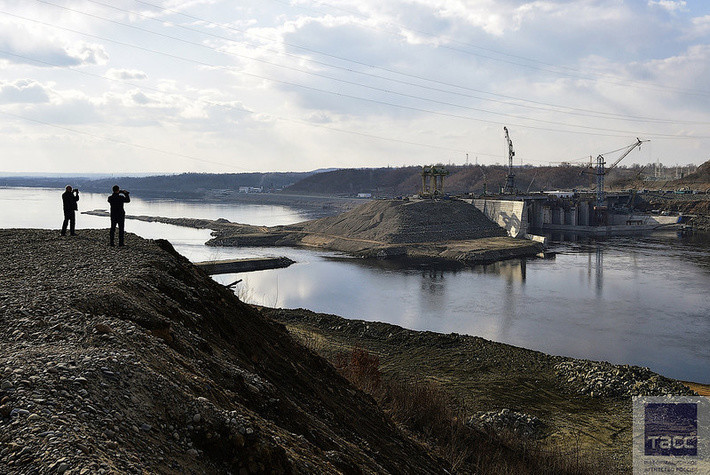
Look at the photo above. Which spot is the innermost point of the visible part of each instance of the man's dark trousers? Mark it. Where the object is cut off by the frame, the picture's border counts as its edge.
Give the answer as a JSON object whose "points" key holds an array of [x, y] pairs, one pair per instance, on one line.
{"points": [[69, 218], [117, 221]]}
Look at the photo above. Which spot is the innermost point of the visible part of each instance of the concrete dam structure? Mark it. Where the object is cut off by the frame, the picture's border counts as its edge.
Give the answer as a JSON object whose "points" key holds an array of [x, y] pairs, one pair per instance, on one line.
{"points": [[566, 212]]}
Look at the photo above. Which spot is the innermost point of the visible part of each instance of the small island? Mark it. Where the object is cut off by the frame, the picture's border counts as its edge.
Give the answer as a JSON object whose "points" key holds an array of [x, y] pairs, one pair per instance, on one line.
{"points": [[450, 231]]}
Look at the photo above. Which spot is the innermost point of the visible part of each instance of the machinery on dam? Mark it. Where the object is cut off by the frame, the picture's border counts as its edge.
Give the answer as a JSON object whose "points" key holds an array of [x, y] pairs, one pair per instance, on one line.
{"points": [[509, 187], [593, 212], [600, 208], [433, 181]]}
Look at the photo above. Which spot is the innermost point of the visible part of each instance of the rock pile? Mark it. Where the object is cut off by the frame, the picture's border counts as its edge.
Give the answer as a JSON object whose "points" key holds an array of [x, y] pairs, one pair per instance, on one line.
{"points": [[602, 379], [507, 420]]}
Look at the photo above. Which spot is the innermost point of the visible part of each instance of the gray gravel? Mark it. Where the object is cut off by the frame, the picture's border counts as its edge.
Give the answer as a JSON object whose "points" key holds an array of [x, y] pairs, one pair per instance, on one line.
{"points": [[602, 379], [132, 360]]}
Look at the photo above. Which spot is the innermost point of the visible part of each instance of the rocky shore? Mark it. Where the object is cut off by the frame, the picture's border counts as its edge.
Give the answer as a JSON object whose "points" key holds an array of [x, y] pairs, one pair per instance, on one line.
{"points": [[132, 360]]}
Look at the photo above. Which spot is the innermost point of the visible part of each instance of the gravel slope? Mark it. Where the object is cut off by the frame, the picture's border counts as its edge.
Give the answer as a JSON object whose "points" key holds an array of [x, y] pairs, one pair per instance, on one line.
{"points": [[132, 360]]}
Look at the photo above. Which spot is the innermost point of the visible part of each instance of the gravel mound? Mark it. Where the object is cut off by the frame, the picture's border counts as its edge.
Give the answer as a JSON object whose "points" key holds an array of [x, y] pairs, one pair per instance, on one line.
{"points": [[602, 379], [403, 222], [507, 420], [132, 360]]}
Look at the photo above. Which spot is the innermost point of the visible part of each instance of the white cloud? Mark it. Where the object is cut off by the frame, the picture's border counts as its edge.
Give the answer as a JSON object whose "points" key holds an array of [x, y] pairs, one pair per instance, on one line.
{"points": [[24, 44], [141, 98], [23, 91], [700, 26], [669, 5], [126, 74]]}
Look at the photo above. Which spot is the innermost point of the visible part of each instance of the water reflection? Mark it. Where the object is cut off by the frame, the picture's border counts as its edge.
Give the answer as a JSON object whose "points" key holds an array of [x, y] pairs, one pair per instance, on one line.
{"points": [[513, 270], [432, 297]]}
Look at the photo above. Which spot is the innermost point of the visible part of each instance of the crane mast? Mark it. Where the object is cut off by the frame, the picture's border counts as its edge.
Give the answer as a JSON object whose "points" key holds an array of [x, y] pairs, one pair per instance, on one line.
{"points": [[510, 179]]}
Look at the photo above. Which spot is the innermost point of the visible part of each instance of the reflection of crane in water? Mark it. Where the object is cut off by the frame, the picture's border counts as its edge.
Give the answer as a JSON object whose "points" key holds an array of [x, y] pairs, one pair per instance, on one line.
{"points": [[598, 269]]}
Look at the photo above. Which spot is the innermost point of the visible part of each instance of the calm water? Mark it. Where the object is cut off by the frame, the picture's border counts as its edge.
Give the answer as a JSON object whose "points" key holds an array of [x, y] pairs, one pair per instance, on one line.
{"points": [[639, 301]]}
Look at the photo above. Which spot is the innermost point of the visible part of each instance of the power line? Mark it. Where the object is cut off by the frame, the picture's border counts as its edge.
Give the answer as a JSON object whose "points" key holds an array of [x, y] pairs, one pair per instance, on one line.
{"points": [[580, 74], [344, 81], [549, 107], [416, 109]]}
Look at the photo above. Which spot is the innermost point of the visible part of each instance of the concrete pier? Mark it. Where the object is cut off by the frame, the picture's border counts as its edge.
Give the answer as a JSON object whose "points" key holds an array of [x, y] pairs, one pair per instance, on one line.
{"points": [[236, 266]]}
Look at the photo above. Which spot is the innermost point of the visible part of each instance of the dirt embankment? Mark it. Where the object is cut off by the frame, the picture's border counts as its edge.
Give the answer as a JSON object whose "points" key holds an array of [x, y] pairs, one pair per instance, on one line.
{"points": [[427, 229], [573, 406], [695, 207], [132, 360]]}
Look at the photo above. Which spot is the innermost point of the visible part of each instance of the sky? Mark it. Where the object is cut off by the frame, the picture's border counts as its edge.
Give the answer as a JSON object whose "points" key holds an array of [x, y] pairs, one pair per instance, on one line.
{"points": [[150, 86]]}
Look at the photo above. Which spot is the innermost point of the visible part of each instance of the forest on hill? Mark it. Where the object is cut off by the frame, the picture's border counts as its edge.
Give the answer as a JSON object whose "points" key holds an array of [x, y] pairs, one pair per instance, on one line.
{"points": [[379, 182], [186, 185], [388, 182]]}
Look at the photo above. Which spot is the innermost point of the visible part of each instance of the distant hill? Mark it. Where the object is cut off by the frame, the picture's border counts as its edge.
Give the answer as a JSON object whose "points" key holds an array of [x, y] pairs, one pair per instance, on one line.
{"points": [[183, 185], [388, 182], [380, 182]]}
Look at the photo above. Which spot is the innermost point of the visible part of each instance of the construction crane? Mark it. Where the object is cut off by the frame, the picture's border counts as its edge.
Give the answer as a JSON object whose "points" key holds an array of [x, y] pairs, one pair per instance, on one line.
{"points": [[509, 188], [601, 171]]}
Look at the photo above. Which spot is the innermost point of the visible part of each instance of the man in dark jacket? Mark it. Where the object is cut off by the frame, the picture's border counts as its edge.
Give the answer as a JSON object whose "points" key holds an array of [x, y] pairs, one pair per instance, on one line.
{"points": [[118, 214], [69, 199]]}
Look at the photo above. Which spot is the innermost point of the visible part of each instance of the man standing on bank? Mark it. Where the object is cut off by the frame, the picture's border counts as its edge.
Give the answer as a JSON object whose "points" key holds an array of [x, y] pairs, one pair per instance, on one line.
{"points": [[118, 214], [69, 199]]}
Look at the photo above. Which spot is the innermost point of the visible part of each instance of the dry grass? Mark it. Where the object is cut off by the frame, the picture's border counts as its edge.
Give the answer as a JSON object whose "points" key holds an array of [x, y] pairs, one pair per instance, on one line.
{"points": [[422, 408]]}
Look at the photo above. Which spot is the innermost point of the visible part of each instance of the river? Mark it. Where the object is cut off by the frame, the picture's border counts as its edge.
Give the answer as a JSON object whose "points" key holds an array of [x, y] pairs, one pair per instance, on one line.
{"points": [[631, 300]]}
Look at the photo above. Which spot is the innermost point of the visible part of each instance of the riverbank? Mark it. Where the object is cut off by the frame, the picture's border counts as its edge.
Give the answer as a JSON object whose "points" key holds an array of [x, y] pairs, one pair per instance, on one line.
{"points": [[567, 404], [133, 360]]}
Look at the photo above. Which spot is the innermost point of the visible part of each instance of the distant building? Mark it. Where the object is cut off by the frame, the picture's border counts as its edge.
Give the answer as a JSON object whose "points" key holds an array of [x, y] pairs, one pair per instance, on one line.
{"points": [[364, 195]]}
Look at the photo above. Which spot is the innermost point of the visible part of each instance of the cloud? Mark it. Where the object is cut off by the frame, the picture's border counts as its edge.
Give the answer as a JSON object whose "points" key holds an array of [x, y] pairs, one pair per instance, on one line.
{"points": [[25, 45], [126, 74], [319, 118], [70, 111], [669, 5], [141, 98], [700, 26], [23, 91]]}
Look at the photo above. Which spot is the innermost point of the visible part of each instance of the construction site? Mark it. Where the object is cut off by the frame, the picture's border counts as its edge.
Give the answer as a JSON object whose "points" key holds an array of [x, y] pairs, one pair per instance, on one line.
{"points": [[594, 211]]}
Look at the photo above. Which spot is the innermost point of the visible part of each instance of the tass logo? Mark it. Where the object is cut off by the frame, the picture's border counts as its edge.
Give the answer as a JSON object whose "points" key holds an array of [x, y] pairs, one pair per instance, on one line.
{"points": [[671, 429]]}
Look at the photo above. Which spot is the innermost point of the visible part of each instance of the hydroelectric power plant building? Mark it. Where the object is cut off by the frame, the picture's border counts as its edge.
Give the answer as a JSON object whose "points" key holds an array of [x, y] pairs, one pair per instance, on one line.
{"points": [[568, 212]]}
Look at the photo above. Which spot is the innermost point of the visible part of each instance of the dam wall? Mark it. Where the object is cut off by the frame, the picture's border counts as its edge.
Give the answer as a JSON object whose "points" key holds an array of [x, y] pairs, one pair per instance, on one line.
{"points": [[508, 214]]}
